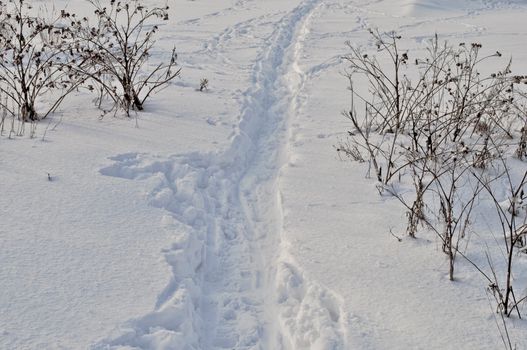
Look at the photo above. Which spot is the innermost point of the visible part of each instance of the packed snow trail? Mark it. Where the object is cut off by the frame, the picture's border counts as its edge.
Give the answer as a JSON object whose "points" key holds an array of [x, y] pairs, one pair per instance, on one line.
{"points": [[233, 285]]}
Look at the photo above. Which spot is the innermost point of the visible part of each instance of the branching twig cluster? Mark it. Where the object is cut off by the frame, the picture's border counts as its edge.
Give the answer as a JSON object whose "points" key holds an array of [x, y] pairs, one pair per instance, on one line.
{"points": [[118, 47], [43, 60], [438, 123], [35, 59]]}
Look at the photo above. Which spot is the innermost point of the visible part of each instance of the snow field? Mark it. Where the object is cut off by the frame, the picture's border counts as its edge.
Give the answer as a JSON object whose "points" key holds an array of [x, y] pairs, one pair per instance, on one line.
{"points": [[226, 220]]}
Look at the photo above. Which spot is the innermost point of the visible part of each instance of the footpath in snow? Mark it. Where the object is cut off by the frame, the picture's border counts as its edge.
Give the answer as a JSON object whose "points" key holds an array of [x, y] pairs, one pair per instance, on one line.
{"points": [[226, 220], [234, 285]]}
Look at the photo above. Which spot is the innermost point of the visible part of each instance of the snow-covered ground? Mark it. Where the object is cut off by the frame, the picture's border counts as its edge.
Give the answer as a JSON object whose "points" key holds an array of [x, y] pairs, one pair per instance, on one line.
{"points": [[226, 220]]}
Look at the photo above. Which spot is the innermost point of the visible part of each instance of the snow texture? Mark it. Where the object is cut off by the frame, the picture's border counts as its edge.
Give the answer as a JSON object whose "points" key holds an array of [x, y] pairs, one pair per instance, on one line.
{"points": [[225, 220]]}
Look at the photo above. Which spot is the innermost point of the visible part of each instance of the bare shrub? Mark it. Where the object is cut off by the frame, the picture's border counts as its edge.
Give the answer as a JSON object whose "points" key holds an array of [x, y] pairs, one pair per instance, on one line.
{"points": [[203, 84], [434, 131], [380, 126], [36, 59], [512, 223], [118, 47]]}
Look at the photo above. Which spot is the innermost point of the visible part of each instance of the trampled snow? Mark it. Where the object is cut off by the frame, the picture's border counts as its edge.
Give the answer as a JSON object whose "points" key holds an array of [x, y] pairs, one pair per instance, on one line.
{"points": [[224, 219]]}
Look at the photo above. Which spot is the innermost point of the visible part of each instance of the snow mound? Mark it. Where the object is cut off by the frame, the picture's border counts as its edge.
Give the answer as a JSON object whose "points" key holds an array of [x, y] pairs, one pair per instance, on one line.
{"points": [[450, 8], [437, 8], [180, 190]]}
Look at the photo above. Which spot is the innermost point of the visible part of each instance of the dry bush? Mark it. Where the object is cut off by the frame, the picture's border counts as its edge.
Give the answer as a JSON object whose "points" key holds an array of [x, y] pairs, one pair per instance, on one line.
{"points": [[441, 132], [117, 48], [36, 60]]}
